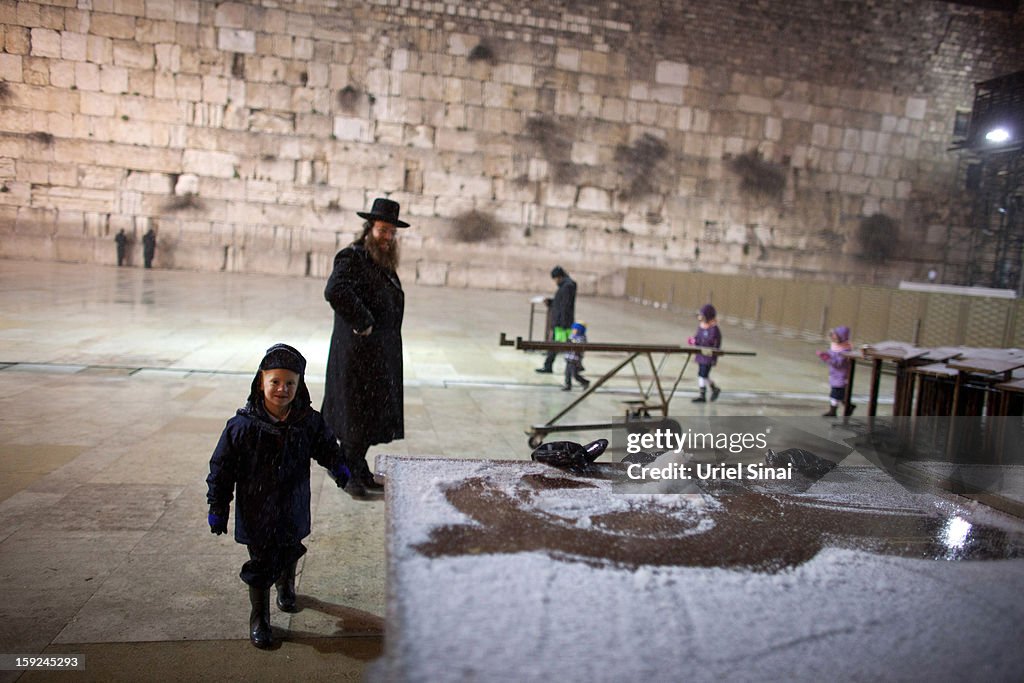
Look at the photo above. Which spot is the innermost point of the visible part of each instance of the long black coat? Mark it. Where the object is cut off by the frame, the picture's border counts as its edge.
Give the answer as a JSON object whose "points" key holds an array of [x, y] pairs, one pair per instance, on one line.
{"points": [[267, 463], [363, 391], [563, 306]]}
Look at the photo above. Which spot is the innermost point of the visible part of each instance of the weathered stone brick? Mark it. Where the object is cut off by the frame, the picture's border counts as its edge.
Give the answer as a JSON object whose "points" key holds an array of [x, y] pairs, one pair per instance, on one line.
{"points": [[62, 74], [99, 50], [113, 79], [916, 108], [10, 68], [150, 31], [671, 73], [236, 40], [186, 11], [17, 40], [134, 55], [8, 12], [74, 46], [161, 10], [231, 15], [29, 14], [112, 26], [209, 163], [45, 42], [350, 128]]}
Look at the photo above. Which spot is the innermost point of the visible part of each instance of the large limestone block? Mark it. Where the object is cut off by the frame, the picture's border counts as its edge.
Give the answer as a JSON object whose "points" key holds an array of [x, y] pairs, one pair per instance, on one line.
{"points": [[45, 43], [671, 73], [236, 40], [210, 163]]}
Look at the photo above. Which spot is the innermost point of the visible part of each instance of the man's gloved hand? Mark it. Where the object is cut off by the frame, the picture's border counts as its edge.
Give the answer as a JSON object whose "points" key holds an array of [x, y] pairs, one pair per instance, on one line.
{"points": [[218, 519]]}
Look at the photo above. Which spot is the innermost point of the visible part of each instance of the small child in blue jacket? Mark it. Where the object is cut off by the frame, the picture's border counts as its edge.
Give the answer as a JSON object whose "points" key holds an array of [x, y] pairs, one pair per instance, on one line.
{"points": [[574, 359], [262, 461]]}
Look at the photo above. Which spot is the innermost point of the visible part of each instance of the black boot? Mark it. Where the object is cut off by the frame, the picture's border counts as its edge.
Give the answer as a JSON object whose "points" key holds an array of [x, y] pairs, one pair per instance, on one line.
{"points": [[355, 488], [259, 619], [702, 398], [362, 481], [849, 410], [371, 484], [831, 412], [715, 391], [286, 589]]}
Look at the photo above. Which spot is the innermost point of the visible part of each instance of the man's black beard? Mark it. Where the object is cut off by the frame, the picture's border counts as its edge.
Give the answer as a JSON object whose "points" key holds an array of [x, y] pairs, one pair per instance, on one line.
{"points": [[385, 258]]}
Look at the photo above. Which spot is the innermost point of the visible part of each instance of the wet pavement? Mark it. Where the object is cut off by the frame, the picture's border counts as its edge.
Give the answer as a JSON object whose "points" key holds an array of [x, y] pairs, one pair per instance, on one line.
{"points": [[116, 383]]}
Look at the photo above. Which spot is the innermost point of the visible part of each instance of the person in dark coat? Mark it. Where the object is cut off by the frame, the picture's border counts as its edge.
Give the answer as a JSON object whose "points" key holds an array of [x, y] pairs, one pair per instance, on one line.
{"points": [[149, 247], [562, 313], [363, 394], [122, 245], [262, 461]]}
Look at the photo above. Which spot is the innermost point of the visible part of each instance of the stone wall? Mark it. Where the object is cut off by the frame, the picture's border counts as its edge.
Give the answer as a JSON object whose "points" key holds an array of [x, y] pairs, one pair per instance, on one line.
{"points": [[714, 135]]}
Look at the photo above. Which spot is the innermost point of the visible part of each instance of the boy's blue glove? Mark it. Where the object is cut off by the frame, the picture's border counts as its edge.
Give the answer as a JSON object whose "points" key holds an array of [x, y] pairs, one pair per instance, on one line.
{"points": [[218, 519], [341, 474]]}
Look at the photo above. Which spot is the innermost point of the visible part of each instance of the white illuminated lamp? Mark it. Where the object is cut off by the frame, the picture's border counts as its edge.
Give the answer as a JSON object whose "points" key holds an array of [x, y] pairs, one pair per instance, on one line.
{"points": [[997, 135]]}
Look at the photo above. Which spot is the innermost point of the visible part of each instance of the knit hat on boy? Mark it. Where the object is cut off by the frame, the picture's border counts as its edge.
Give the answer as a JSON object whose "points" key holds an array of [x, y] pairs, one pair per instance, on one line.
{"points": [[708, 311], [282, 356]]}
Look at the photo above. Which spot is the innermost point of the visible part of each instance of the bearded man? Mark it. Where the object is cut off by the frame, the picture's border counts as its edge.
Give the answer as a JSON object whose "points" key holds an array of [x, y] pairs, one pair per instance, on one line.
{"points": [[363, 390]]}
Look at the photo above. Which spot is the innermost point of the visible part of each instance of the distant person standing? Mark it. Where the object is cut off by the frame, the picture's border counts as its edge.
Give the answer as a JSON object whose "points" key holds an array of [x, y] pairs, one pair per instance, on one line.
{"points": [[149, 247], [122, 246], [562, 313], [363, 394]]}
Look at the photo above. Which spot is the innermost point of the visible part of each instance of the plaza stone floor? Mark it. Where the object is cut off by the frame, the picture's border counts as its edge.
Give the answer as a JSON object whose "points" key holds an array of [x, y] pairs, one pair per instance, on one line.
{"points": [[116, 383]]}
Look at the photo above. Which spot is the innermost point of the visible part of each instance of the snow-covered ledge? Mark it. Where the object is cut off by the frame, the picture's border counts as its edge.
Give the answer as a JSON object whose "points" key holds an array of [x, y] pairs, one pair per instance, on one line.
{"points": [[502, 570]]}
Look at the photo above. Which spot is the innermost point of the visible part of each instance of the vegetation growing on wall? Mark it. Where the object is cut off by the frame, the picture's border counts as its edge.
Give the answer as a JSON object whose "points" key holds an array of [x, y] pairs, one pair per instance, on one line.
{"points": [[475, 226], [758, 178], [483, 52], [878, 236], [555, 145], [348, 98], [41, 137], [638, 164], [185, 202]]}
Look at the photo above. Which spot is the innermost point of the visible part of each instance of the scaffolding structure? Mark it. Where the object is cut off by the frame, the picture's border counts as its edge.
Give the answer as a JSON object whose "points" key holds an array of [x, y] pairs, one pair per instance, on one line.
{"points": [[989, 252]]}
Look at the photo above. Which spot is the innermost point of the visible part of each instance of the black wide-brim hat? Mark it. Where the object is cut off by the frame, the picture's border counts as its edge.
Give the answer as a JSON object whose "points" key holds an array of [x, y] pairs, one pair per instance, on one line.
{"points": [[384, 210]]}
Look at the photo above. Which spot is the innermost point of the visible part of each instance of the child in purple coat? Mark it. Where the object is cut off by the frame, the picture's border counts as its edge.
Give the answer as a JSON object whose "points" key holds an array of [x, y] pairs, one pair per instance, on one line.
{"points": [[838, 368], [709, 336]]}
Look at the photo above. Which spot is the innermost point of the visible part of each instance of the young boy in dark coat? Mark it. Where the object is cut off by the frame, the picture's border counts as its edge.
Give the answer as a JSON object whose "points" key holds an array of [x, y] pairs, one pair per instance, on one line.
{"points": [[262, 460]]}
